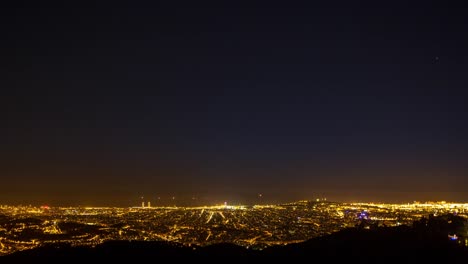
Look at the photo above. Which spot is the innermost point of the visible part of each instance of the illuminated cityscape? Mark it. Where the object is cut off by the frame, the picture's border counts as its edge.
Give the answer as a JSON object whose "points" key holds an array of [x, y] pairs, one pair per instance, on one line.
{"points": [[152, 129], [257, 227]]}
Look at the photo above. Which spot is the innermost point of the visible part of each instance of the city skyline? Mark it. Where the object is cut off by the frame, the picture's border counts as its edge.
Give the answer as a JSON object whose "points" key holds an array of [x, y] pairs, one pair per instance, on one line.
{"points": [[261, 103], [241, 200], [255, 227]]}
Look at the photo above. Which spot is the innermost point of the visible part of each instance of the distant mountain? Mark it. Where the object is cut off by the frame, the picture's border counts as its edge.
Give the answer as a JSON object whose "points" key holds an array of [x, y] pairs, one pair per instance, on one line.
{"points": [[427, 240]]}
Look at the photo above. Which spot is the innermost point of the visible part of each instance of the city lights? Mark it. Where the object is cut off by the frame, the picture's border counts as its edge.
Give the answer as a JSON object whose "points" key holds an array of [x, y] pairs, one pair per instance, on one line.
{"points": [[258, 226]]}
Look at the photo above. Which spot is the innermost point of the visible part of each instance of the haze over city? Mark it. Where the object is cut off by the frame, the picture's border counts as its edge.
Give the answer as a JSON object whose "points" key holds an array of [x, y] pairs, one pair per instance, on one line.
{"points": [[254, 104]]}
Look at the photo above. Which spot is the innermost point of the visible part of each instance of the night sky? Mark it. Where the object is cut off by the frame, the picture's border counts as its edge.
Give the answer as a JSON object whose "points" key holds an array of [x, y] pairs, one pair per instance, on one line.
{"points": [[103, 104]]}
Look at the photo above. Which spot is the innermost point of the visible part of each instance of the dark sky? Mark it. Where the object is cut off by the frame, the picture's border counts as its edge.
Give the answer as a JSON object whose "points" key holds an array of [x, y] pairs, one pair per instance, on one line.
{"points": [[103, 104]]}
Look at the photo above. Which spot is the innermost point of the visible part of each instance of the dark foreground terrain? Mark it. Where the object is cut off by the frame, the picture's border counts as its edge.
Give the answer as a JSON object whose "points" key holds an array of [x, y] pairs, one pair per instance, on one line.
{"points": [[424, 241]]}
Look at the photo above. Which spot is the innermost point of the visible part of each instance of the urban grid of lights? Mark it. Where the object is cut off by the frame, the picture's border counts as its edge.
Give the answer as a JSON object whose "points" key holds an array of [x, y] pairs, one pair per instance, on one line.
{"points": [[259, 226]]}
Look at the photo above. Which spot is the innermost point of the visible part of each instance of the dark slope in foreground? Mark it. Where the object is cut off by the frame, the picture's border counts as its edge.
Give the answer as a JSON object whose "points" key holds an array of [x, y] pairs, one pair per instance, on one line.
{"points": [[418, 243]]}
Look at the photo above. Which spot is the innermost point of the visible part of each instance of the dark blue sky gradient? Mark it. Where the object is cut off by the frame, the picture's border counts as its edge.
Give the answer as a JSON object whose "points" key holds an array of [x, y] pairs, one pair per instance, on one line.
{"points": [[104, 104]]}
